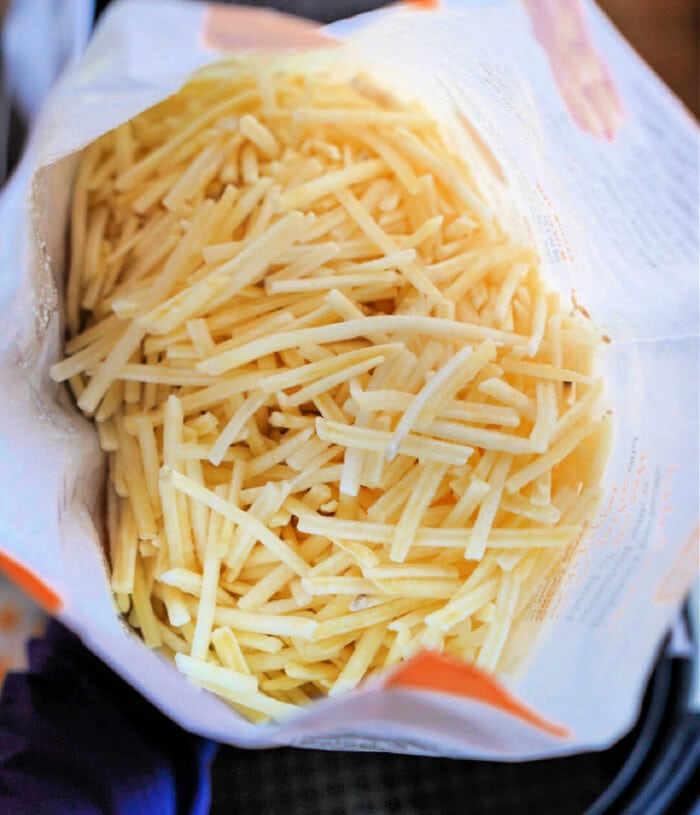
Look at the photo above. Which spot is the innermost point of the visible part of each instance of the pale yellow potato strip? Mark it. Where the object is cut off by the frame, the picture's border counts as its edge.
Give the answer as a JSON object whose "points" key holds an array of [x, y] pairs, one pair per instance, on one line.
{"points": [[463, 606], [356, 620], [415, 617], [266, 662], [451, 377], [344, 281], [276, 579], [108, 436], [331, 381], [348, 310], [170, 315], [177, 266], [477, 266], [508, 395], [542, 370], [362, 656], [445, 173], [216, 675], [79, 217], [369, 532], [227, 280], [314, 371], [123, 545], [228, 650], [310, 670], [136, 484], [426, 486], [310, 451], [258, 702], [171, 640], [243, 519], [312, 259], [196, 176], [539, 319], [95, 332], [425, 588], [249, 164], [468, 502], [546, 400], [176, 607], [291, 443], [201, 451], [259, 642], [86, 357], [507, 290], [361, 554], [252, 128], [164, 375], [331, 182], [148, 622], [244, 206], [401, 168], [263, 326], [234, 428], [480, 437], [289, 421], [319, 586], [208, 596], [375, 233], [373, 465], [506, 601], [279, 625], [541, 492], [410, 570], [316, 473], [461, 410], [553, 456], [172, 435], [604, 443], [413, 445], [142, 169], [392, 260], [191, 583], [488, 509], [546, 514], [350, 329], [396, 493], [577, 411]]}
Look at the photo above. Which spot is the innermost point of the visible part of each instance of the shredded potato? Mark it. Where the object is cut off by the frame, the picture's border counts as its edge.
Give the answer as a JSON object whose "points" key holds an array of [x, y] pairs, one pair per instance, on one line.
{"points": [[345, 418]]}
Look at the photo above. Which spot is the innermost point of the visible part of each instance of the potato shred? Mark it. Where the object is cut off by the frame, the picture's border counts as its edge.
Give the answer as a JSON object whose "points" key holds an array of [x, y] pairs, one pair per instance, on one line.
{"points": [[345, 418]]}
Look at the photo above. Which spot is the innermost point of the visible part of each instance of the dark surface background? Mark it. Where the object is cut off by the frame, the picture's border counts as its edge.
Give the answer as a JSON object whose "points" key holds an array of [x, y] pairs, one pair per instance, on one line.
{"points": [[667, 34], [652, 771]]}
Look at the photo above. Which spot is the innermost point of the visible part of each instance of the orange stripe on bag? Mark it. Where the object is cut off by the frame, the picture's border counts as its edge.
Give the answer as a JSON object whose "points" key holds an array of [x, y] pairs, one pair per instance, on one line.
{"points": [[229, 27], [30, 584], [435, 672], [424, 4]]}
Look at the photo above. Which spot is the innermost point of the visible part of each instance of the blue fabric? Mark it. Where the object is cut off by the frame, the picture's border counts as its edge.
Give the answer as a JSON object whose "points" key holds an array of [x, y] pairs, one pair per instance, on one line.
{"points": [[74, 738]]}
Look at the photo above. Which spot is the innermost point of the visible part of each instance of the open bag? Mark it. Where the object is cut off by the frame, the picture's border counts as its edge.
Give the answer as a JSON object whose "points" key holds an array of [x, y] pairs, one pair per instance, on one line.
{"points": [[603, 173]]}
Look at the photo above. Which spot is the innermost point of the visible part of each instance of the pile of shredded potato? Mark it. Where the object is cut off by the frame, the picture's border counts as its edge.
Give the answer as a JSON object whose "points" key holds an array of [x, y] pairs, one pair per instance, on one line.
{"points": [[345, 419]]}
